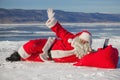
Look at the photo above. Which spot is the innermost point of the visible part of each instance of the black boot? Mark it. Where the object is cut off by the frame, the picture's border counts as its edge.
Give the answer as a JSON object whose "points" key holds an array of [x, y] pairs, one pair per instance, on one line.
{"points": [[14, 57]]}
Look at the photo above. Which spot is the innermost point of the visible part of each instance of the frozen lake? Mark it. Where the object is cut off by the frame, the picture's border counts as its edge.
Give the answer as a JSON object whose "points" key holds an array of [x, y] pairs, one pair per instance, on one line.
{"points": [[20, 32], [12, 36]]}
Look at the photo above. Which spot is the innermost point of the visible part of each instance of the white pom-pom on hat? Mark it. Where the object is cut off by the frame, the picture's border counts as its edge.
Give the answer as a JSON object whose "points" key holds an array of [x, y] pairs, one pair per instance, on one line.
{"points": [[70, 40]]}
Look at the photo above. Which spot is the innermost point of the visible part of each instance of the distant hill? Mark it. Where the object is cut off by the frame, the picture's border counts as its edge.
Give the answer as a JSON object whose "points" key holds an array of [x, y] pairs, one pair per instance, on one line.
{"points": [[39, 16]]}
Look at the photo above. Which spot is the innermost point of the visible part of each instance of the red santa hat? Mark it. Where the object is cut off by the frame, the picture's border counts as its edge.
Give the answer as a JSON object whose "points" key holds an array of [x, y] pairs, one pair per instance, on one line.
{"points": [[85, 35]]}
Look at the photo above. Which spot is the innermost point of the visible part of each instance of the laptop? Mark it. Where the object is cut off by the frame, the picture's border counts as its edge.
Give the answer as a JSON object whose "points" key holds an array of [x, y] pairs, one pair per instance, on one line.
{"points": [[105, 43]]}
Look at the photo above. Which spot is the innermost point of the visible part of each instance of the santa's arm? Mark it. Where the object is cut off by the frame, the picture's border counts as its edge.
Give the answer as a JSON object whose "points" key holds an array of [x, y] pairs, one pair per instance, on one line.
{"points": [[54, 25]]}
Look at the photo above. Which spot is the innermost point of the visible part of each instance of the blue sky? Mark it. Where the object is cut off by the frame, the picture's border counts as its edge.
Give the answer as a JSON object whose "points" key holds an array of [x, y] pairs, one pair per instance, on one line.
{"points": [[88, 6]]}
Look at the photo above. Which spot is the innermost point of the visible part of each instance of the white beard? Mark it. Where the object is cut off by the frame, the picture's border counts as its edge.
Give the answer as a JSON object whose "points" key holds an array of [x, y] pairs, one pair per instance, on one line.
{"points": [[80, 49]]}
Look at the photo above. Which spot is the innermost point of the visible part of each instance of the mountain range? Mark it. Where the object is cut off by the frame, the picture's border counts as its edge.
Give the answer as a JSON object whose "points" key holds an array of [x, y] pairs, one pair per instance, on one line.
{"points": [[40, 16]]}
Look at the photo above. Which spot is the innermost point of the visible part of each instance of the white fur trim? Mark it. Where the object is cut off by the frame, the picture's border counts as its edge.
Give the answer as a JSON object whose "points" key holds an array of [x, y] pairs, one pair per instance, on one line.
{"points": [[61, 53], [51, 22], [23, 53], [85, 36], [44, 57], [48, 44]]}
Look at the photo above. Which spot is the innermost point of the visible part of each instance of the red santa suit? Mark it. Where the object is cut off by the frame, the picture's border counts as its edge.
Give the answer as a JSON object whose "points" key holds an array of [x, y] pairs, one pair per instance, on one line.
{"points": [[60, 47]]}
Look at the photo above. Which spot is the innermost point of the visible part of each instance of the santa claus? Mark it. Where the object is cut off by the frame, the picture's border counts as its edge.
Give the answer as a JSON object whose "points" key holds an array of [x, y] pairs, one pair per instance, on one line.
{"points": [[66, 47]]}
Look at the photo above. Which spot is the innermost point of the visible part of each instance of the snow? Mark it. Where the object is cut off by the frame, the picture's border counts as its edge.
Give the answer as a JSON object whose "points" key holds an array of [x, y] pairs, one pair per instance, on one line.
{"points": [[51, 70]]}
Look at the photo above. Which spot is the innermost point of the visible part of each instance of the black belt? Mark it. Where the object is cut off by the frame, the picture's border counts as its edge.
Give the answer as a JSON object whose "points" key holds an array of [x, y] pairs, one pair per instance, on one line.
{"points": [[49, 55]]}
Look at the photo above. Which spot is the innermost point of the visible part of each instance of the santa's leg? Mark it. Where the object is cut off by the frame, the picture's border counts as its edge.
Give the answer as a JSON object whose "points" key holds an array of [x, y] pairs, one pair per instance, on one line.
{"points": [[29, 51]]}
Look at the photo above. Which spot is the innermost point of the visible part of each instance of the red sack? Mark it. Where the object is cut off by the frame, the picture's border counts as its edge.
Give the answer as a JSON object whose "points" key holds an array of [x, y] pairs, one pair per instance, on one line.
{"points": [[103, 58]]}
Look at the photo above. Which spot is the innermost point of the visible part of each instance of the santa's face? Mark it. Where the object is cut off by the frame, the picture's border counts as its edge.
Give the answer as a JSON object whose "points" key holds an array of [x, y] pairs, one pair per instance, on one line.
{"points": [[82, 41], [81, 47]]}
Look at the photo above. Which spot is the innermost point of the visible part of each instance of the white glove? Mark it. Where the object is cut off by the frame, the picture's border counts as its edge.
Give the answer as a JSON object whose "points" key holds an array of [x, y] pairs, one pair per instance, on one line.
{"points": [[50, 13]]}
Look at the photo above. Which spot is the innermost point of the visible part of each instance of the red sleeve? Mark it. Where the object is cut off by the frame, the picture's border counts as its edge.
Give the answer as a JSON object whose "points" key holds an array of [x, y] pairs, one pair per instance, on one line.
{"points": [[61, 32]]}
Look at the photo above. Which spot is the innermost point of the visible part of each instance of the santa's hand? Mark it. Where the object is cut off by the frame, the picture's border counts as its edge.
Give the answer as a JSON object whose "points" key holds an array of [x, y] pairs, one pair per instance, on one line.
{"points": [[51, 13], [51, 19]]}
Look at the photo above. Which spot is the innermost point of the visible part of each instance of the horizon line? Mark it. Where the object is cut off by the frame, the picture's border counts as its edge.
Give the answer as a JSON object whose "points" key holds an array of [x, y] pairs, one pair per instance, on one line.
{"points": [[59, 10]]}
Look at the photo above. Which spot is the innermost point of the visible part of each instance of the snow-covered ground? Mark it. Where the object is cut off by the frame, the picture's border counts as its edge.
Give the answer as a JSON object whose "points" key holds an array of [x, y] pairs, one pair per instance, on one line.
{"points": [[12, 37], [51, 70]]}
